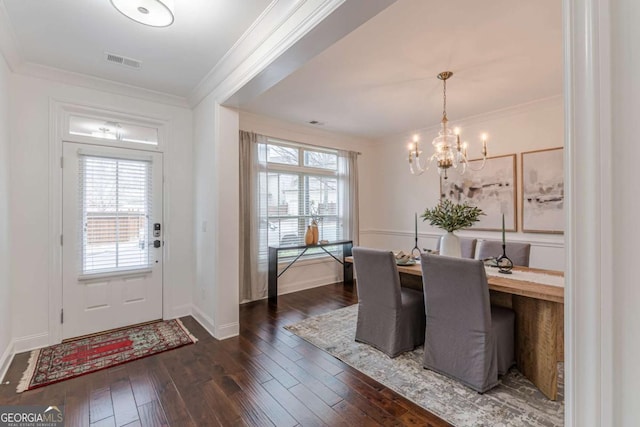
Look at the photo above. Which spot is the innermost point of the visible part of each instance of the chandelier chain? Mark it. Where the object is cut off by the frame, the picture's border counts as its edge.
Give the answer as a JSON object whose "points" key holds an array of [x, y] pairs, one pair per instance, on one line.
{"points": [[444, 99]]}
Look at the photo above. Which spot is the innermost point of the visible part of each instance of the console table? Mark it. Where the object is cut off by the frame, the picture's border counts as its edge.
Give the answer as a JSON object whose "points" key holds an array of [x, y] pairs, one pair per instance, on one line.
{"points": [[347, 268]]}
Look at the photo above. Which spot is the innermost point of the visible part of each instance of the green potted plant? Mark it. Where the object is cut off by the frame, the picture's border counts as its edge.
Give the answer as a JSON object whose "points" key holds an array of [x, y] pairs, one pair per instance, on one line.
{"points": [[450, 217]]}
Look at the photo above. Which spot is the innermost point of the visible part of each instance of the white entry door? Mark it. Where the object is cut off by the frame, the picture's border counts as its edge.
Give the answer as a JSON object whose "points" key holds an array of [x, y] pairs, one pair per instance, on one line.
{"points": [[112, 238]]}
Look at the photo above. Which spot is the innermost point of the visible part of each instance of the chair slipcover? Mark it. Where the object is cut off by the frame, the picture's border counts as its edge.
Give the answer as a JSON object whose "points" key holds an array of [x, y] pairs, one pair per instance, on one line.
{"points": [[517, 252], [390, 318], [467, 246], [465, 337]]}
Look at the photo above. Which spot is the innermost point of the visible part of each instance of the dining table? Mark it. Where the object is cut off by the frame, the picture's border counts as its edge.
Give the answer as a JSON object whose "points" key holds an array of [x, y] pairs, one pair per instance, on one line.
{"points": [[537, 298]]}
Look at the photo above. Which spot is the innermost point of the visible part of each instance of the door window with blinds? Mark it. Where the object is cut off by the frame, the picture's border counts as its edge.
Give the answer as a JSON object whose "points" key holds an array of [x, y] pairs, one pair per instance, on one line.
{"points": [[115, 209], [301, 185]]}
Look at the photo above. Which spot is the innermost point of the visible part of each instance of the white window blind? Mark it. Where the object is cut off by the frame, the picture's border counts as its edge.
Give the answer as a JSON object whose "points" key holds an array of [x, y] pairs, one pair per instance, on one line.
{"points": [[115, 211], [301, 185]]}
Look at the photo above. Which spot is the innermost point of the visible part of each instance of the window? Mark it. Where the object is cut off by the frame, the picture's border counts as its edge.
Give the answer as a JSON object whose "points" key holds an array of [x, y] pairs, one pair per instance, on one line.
{"points": [[112, 130], [115, 207], [301, 185]]}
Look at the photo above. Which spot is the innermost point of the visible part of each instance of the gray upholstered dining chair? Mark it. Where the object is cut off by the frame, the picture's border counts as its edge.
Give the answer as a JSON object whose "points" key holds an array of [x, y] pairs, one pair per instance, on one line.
{"points": [[517, 252], [390, 318], [465, 338], [467, 246]]}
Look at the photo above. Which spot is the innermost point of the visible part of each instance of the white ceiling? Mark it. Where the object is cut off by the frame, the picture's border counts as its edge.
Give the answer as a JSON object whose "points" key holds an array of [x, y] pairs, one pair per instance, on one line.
{"points": [[381, 79], [74, 35]]}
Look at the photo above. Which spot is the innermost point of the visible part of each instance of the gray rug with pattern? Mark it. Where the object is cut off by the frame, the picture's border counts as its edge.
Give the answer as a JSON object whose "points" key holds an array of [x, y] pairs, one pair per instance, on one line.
{"points": [[516, 402]]}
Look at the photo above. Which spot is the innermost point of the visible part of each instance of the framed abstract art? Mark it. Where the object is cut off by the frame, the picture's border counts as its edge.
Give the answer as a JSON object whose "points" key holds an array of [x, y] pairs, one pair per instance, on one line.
{"points": [[543, 191], [492, 189]]}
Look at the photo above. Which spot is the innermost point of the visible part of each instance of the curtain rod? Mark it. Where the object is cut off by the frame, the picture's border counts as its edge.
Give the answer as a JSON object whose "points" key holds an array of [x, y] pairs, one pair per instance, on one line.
{"points": [[302, 143]]}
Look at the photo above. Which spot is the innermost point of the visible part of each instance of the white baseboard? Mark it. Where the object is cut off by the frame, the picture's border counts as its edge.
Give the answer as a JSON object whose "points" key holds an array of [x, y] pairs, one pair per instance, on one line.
{"points": [[229, 330], [6, 359], [30, 342], [307, 284], [204, 320], [218, 332]]}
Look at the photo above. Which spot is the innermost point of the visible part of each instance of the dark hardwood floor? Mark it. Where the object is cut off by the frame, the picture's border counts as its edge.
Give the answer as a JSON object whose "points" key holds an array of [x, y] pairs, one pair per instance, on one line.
{"points": [[266, 376]]}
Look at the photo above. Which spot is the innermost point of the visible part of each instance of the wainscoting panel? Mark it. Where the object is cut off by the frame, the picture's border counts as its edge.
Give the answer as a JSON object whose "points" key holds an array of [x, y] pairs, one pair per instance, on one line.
{"points": [[546, 251]]}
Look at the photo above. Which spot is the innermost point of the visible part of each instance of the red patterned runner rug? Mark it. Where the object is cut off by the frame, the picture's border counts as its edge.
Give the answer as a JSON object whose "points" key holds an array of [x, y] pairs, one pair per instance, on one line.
{"points": [[85, 355]]}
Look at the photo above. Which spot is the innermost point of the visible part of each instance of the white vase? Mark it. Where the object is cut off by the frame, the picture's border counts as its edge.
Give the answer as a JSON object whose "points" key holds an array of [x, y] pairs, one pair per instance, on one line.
{"points": [[450, 245]]}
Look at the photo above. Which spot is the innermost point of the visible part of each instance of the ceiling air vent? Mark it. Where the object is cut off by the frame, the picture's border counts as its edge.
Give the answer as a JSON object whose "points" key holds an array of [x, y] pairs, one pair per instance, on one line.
{"points": [[123, 60]]}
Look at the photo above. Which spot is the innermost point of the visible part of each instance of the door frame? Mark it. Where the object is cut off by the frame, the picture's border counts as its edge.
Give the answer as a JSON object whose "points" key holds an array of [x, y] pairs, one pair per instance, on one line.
{"points": [[59, 111]]}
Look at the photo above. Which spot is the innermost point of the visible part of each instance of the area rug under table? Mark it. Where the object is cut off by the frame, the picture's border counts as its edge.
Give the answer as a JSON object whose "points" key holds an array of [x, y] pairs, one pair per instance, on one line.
{"points": [[515, 402], [78, 357]]}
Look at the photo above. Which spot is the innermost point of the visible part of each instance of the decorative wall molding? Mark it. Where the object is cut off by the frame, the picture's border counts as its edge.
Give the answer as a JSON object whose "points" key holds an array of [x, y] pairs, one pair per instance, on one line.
{"points": [[8, 42], [274, 32], [300, 132], [283, 38], [83, 80], [503, 113], [10, 50], [514, 237]]}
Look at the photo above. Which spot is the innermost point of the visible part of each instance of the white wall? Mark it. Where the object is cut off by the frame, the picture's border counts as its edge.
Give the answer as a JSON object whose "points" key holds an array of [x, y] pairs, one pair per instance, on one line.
{"points": [[309, 273], [217, 223], [5, 253], [204, 133], [30, 199], [393, 195]]}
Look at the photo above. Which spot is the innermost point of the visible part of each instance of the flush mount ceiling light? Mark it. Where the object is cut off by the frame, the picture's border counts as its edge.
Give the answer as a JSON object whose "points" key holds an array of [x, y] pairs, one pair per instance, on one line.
{"points": [[155, 13]]}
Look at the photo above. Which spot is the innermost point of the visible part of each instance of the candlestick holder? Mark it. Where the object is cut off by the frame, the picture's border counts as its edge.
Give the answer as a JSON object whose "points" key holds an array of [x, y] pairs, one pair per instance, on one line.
{"points": [[416, 248], [505, 265]]}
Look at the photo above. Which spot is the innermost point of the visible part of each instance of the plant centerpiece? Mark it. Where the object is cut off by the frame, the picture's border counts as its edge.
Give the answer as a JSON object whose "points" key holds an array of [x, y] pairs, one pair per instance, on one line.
{"points": [[450, 217]]}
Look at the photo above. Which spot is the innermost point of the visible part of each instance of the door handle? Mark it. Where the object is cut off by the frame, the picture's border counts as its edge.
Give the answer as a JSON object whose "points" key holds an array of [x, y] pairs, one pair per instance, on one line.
{"points": [[156, 243]]}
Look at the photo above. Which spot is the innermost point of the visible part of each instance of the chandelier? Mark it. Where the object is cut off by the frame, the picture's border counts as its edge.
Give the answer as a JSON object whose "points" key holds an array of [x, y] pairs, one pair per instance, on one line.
{"points": [[449, 152]]}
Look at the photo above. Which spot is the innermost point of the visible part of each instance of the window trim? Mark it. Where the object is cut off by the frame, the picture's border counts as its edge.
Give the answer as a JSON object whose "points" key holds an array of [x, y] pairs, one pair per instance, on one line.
{"points": [[102, 115], [302, 171]]}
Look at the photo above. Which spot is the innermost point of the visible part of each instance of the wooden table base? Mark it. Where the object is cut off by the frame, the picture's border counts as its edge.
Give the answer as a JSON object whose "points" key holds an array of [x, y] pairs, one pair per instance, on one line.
{"points": [[539, 341], [539, 338]]}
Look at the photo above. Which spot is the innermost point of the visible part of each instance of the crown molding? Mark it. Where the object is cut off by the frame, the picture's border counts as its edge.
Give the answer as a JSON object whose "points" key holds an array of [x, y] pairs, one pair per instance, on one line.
{"points": [[83, 80], [281, 25], [9, 48], [555, 100]]}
